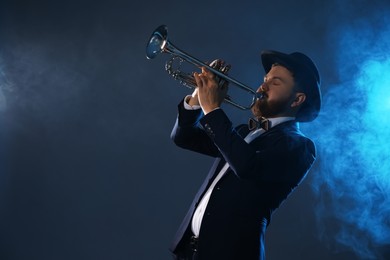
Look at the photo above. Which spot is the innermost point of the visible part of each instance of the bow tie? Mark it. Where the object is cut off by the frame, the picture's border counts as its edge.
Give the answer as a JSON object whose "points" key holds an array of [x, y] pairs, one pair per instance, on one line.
{"points": [[261, 122]]}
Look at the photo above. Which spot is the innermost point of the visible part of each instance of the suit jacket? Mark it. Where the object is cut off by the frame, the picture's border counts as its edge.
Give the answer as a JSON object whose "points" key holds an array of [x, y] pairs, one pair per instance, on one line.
{"points": [[261, 175]]}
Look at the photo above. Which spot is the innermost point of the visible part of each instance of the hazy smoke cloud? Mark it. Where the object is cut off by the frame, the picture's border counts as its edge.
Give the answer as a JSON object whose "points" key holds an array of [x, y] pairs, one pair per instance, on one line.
{"points": [[4, 86], [353, 181]]}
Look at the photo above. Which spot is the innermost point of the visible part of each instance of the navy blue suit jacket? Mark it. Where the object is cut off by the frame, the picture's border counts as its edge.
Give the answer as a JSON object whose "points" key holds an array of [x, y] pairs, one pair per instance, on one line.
{"points": [[261, 175]]}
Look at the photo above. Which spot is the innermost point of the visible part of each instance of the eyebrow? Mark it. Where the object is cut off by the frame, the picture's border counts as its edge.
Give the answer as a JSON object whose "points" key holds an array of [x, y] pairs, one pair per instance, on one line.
{"points": [[275, 77]]}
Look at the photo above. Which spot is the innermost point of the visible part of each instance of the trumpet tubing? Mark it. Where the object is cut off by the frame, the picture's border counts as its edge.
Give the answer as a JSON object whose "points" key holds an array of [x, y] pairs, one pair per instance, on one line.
{"points": [[158, 43]]}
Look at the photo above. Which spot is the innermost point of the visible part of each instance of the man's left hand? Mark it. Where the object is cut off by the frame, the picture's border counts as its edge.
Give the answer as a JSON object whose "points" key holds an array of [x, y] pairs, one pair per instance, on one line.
{"points": [[211, 93]]}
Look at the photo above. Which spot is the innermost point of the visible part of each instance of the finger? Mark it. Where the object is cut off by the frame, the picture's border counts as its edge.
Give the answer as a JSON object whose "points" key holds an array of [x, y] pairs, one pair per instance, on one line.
{"points": [[204, 79], [215, 64], [207, 73], [210, 75], [226, 68], [197, 79]]}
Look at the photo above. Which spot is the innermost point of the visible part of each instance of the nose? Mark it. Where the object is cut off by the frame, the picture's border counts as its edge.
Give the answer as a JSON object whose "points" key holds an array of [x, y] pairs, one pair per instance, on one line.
{"points": [[263, 87]]}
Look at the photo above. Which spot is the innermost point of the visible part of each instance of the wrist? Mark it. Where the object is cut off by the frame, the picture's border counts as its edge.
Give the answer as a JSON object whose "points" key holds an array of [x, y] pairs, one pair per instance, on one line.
{"points": [[187, 106], [209, 109], [192, 101]]}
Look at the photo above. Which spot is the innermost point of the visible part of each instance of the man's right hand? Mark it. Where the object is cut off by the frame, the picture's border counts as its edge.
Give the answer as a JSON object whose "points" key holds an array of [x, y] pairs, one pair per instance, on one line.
{"points": [[193, 100]]}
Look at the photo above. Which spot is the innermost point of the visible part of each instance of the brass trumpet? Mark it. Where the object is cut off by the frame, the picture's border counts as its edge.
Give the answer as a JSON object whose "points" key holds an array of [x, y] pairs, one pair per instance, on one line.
{"points": [[158, 43]]}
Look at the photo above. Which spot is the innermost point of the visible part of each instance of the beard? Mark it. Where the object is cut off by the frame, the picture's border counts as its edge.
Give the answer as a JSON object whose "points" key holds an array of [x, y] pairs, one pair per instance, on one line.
{"points": [[269, 109]]}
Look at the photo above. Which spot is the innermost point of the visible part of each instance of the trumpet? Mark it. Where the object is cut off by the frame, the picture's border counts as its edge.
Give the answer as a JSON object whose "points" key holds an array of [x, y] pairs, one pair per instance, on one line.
{"points": [[158, 43]]}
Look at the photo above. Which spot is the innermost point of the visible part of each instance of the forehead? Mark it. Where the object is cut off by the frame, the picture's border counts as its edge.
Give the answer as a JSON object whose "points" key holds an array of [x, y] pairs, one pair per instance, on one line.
{"points": [[280, 74], [280, 71]]}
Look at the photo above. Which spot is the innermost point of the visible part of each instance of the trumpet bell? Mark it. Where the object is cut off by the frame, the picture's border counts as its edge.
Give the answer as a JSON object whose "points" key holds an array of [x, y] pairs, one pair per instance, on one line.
{"points": [[156, 42]]}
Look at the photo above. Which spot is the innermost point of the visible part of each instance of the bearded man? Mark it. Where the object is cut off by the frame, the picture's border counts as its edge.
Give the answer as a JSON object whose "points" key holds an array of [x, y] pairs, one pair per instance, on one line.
{"points": [[257, 165]]}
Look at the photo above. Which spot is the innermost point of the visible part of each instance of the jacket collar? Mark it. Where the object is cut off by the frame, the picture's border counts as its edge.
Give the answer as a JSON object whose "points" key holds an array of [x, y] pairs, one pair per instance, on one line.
{"points": [[290, 125]]}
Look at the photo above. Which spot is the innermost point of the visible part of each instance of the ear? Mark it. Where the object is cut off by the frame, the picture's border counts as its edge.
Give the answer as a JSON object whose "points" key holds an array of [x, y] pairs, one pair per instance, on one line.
{"points": [[299, 99]]}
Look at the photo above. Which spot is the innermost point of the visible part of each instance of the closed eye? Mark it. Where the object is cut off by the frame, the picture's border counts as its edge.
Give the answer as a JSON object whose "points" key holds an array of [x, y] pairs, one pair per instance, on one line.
{"points": [[273, 81]]}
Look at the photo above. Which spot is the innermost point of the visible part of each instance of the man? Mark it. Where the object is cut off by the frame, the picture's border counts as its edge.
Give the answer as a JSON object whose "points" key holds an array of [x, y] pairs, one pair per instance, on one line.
{"points": [[255, 168]]}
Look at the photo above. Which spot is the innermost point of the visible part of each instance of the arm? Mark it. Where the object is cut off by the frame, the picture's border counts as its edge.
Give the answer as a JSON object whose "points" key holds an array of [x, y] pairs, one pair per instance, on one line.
{"points": [[282, 157], [188, 134]]}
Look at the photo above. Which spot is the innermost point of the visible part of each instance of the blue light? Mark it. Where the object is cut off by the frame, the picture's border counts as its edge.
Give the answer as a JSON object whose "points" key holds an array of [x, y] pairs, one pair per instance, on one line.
{"points": [[377, 74], [352, 134]]}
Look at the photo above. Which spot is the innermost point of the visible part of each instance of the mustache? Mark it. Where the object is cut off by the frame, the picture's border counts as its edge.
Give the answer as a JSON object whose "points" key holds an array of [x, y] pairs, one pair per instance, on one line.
{"points": [[261, 94]]}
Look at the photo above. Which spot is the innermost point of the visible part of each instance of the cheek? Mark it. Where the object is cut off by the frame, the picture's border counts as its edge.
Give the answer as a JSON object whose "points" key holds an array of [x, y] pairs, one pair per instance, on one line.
{"points": [[279, 95], [274, 95]]}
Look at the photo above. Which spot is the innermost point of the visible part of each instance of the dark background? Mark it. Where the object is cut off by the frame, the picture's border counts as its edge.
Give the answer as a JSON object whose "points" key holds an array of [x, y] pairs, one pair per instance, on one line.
{"points": [[88, 170]]}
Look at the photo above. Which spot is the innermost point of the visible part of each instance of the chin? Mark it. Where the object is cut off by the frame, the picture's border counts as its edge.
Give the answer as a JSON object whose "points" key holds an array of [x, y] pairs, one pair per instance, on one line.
{"points": [[266, 109], [256, 111], [260, 108]]}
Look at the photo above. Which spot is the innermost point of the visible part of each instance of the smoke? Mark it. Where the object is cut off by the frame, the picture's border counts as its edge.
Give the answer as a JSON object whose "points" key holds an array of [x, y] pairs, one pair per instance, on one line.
{"points": [[4, 86], [352, 183]]}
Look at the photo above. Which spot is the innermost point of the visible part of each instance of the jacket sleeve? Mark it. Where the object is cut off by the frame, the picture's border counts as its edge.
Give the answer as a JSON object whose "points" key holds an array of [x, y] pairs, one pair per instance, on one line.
{"points": [[188, 134], [282, 158]]}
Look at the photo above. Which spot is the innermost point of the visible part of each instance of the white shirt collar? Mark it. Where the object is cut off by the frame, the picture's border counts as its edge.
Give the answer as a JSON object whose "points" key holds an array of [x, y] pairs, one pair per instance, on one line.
{"points": [[278, 120]]}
